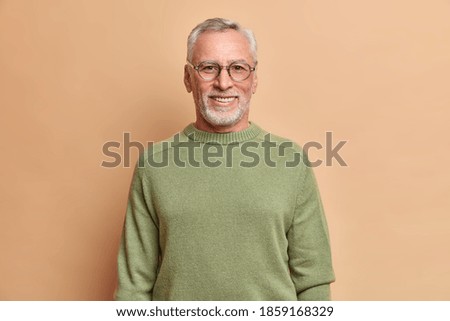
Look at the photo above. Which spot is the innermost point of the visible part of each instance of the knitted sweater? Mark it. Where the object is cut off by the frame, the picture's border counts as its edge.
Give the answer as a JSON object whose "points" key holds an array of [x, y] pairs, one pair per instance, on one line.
{"points": [[224, 217]]}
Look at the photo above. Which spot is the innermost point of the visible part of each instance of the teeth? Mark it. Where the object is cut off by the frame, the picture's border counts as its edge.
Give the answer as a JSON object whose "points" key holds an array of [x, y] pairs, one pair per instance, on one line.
{"points": [[224, 99]]}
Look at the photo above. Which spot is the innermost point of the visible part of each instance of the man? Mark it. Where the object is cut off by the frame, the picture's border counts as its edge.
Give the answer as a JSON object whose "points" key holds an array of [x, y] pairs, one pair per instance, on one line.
{"points": [[223, 210]]}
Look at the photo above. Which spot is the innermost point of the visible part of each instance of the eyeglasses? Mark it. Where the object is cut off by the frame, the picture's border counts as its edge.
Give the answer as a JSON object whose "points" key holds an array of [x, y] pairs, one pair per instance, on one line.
{"points": [[238, 71]]}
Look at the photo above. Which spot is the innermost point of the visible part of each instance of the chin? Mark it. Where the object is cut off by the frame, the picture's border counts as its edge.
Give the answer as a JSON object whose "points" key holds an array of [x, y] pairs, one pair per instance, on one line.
{"points": [[221, 122], [218, 118]]}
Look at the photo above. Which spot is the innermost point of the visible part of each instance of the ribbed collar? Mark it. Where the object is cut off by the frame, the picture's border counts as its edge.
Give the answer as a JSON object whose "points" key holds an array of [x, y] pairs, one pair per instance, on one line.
{"points": [[222, 138]]}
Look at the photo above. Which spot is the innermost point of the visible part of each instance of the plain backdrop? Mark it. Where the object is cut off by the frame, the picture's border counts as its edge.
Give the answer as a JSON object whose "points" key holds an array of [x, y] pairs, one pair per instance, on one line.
{"points": [[75, 75]]}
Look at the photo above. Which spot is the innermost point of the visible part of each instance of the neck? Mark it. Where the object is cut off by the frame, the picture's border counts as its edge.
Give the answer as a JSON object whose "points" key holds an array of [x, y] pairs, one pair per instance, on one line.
{"points": [[195, 134], [203, 125]]}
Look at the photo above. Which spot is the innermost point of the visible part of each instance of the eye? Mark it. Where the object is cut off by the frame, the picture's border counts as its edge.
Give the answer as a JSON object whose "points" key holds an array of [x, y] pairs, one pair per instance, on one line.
{"points": [[208, 68], [239, 68]]}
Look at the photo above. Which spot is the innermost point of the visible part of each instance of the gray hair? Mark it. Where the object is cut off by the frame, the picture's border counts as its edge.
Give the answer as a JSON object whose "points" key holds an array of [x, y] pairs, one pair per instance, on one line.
{"points": [[219, 25]]}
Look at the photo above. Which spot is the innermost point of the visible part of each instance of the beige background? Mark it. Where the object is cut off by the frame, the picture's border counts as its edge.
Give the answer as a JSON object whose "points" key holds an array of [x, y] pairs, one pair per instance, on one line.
{"points": [[76, 74]]}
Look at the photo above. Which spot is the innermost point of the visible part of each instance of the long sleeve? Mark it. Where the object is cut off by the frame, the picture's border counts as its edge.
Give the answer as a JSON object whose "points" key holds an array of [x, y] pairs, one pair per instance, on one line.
{"points": [[308, 244], [139, 248]]}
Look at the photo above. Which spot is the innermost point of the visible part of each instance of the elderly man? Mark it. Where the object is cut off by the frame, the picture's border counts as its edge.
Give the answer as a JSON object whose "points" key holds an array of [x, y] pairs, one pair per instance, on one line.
{"points": [[224, 210]]}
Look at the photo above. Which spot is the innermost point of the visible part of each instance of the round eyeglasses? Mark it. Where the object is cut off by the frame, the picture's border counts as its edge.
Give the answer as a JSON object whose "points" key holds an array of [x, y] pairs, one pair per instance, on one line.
{"points": [[238, 71]]}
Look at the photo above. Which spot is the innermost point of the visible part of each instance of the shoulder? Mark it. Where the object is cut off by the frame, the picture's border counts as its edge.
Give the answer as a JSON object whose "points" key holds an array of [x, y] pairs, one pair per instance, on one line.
{"points": [[282, 146], [157, 152], [265, 135]]}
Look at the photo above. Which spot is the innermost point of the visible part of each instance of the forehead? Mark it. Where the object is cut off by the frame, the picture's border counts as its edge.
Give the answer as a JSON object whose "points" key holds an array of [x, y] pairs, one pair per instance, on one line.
{"points": [[221, 46]]}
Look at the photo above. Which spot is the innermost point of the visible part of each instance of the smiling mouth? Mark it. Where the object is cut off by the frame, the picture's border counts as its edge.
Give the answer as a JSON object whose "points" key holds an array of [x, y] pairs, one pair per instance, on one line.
{"points": [[224, 100]]}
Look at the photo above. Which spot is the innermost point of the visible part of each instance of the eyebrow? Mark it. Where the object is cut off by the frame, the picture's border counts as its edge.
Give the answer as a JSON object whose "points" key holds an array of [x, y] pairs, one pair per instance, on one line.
{"points": [[229, 62]]}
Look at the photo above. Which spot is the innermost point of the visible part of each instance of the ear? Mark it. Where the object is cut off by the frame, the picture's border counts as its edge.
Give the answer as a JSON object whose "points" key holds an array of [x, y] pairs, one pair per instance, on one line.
{"points": [[187, 79], [255, 82]]}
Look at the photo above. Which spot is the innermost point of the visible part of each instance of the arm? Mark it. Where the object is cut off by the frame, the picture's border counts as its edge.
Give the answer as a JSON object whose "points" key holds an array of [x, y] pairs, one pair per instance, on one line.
{"points": [[139, 248], [308, 244]]}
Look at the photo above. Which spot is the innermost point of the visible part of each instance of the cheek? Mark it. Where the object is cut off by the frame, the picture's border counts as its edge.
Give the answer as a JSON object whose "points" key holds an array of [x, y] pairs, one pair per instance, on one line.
{"points": [[201, 90], [247, 90]]}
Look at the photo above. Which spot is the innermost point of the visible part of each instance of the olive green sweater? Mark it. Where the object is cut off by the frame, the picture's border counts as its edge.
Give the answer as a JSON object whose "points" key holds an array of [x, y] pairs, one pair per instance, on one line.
{"points": [[234, 216]]}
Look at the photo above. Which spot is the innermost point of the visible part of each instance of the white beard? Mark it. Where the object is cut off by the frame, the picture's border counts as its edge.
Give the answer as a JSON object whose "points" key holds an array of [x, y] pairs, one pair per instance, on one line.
{"points": [[219, 116]]}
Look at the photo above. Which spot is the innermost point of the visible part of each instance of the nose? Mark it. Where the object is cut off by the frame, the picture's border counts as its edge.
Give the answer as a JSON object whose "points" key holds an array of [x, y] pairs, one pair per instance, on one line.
{"points": [[223, 81]]}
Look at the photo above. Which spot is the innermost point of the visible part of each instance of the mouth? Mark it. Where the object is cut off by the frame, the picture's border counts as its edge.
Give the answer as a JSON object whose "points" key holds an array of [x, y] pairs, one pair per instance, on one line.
{"points": [[223, 99]]}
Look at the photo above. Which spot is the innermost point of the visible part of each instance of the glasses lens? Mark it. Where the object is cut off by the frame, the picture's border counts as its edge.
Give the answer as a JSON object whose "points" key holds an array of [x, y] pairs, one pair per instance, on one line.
{"points": [[208, 71], [239, 71]]}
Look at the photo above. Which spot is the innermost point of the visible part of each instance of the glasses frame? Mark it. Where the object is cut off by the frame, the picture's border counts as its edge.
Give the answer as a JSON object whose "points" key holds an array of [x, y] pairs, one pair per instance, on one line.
{"points": [[252, 69]]}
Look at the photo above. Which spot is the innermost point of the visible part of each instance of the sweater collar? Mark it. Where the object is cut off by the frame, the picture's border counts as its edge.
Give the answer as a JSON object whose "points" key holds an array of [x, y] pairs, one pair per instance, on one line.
{"points": [[222, 138]]}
